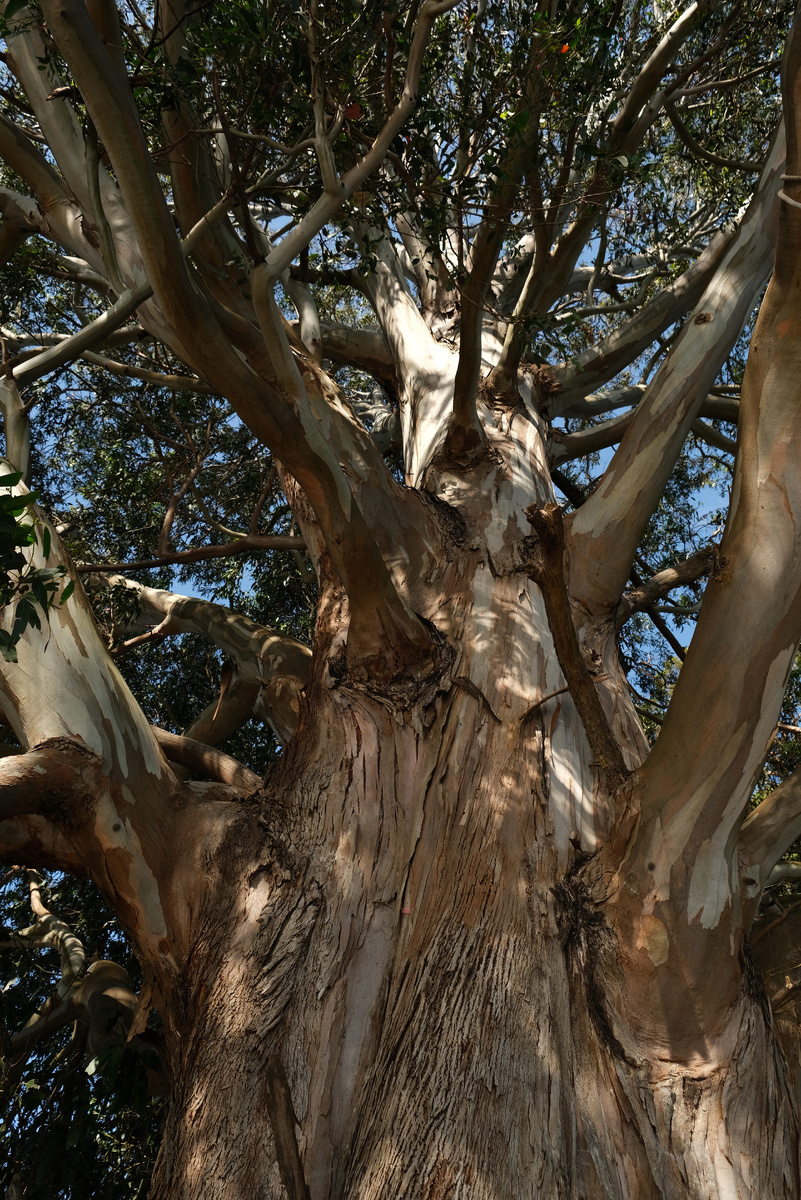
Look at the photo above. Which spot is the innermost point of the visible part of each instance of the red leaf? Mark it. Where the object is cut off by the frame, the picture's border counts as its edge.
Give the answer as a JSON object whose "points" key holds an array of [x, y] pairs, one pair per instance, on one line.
{"points": [[353, 112]]}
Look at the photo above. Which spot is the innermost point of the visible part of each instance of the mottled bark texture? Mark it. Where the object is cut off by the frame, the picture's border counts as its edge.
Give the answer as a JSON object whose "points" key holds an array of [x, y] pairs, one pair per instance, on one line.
{"points": [[471, 938]]}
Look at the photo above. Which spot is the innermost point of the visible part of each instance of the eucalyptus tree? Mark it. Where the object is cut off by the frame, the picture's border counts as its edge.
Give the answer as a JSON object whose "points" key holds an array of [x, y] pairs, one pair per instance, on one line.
{"points": [[366, 286]]}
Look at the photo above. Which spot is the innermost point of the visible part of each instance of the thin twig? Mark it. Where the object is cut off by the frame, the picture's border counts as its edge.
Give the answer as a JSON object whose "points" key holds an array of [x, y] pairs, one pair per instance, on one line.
{"points": [[200, 554]]}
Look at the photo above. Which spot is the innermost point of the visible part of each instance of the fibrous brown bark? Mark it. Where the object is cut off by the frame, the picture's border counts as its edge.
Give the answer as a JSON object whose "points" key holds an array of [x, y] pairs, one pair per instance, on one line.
{"points": [[472, 938]]}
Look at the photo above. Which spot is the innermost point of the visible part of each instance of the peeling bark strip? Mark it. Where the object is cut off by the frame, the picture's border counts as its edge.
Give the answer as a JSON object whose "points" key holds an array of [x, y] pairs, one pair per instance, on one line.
{"points": [[549, 573], [283, 1122]]}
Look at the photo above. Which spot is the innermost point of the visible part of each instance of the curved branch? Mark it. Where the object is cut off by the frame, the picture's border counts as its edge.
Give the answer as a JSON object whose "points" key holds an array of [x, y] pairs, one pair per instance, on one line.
{"points": [[567, 446], [90, 335], [426, 368], [36, 842], [332, 200], [693, 568], [176, 383], [770, 830], [601, 362], [205, 760], [699, 151], [713, 437], [270, 669], [31, 783], [652, 72]]}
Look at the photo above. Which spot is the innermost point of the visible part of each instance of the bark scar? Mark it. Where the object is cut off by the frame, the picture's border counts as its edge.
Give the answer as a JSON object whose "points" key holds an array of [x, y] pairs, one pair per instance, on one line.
{"points": [[473, 690]]}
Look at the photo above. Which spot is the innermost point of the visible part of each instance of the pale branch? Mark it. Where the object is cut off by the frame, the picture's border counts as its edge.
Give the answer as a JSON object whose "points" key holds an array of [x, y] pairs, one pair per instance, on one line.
{"points": [[37, 842], [245, 698], [425, 367], [301, 296], [383, 628], [17, 341], [21, 219], [76, 270], [545, 284], [750, 620], [332, 199], [577, 497], [94, 173], [548, 571], [205, 760], [176, 383], [724, 84], [721, 408], [90, 335], [713, 437], [116, 119], [605, 532], [695, 147], [64, 698], [421, 258], [270, 668], [601, 362], [567, 446], [33, 65], [16, 428], [54, 1016], [784, 872], [365, 349], [99, 994], [19, 153], [30, 781], [642, 91], [771, 829], [633, 269], [50, 930], [103, 328], [384, 420], [691, 569], [244, 545], [597, 404]]}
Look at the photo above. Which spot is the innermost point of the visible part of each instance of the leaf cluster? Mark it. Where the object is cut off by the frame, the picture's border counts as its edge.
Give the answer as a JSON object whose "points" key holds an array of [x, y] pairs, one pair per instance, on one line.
{"points": [[33, 589]]}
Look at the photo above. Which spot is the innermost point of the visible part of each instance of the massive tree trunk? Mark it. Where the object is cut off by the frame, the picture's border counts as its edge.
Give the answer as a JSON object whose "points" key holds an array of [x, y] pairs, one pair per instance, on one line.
{"points": [[471, 937], [411, 922]]}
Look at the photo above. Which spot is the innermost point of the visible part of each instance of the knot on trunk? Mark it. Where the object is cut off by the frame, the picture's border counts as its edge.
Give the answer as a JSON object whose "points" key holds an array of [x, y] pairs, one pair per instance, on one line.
{"points": [[410, 689], [591, 953]]}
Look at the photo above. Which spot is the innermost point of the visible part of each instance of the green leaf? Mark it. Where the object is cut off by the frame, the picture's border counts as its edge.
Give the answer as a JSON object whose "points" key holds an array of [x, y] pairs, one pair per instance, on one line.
{"points": [[7, 646]]}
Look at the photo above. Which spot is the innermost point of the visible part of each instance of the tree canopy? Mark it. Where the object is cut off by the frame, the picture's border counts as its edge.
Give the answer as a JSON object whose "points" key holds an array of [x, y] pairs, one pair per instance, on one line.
{"points": [[302, 305]]}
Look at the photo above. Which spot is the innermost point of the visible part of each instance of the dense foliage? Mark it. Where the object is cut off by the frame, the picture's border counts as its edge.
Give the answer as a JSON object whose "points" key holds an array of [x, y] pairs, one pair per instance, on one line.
{"points": [[137, 461]]}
